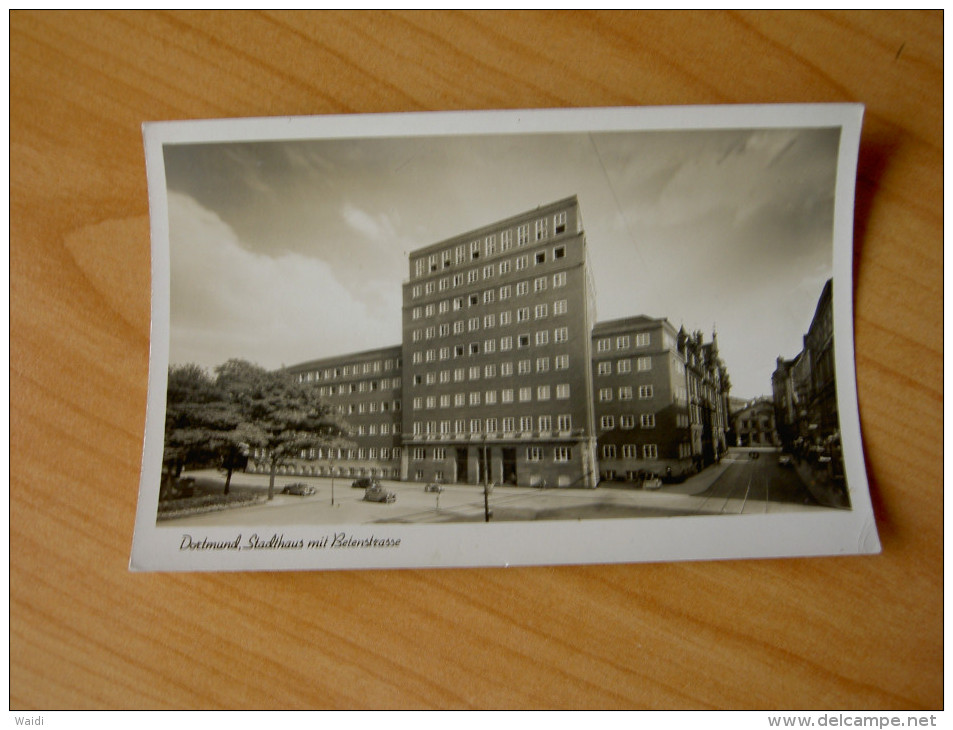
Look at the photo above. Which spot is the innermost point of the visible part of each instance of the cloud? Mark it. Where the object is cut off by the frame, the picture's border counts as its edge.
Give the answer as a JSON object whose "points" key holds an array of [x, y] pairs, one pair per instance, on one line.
{"points": [[229, 302]]}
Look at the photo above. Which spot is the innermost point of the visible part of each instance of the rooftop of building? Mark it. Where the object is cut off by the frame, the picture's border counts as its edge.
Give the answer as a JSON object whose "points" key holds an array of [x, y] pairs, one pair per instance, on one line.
{"points": [[641, 321], [555, 206], [347, 358]]}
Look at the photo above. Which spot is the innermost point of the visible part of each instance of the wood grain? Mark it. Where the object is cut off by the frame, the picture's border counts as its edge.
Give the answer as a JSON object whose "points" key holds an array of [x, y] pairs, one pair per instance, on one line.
{"points": [[845, 633]]}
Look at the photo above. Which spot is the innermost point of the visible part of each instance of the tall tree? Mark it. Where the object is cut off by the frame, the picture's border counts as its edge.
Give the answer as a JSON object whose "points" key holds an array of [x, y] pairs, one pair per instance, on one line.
{"points": [[276, 413]]}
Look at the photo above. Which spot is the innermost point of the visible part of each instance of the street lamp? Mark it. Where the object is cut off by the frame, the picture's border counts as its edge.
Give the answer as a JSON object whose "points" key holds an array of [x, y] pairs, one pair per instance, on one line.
{"points": [[486, 481]]}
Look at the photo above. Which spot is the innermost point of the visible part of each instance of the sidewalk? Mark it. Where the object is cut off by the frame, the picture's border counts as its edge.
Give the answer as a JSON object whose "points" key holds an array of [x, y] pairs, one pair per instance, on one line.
{"points": [[821, 486]]}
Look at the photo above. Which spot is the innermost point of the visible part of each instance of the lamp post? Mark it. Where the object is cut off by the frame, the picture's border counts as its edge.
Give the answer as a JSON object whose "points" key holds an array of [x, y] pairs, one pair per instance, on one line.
{"points": [[331, 463]]}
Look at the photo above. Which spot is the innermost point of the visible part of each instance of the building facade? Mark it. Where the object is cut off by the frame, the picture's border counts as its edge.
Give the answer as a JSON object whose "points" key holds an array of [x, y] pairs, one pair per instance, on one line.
{"points": [[805, 392], [496, 351], [754, 424], [503, 375]]}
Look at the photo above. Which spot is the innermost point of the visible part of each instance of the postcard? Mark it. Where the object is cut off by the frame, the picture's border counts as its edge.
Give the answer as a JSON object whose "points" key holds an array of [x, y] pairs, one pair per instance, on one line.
{"points": [[529, 337]]}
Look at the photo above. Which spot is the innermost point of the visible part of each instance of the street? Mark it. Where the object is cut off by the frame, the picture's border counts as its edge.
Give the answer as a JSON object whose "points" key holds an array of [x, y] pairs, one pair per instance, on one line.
{"points": [[738, 485]]}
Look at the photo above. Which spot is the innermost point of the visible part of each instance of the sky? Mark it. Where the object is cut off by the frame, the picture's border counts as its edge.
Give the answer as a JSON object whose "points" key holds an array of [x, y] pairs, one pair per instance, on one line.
{"points": [[283, 252]]}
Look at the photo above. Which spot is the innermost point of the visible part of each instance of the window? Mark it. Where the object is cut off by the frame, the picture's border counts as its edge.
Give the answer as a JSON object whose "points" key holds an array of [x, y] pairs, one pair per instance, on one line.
{"points": [[491, 424], [444, 376], [625, 392], [506, 291], [472, 276], [416, 291], [522, 235], [444, 284], [444, 329], [542, 392], [630, 451], [607, 423], [522, 314], [534, 453], [627, 421], [605, 394], [526, 394], [474, 425], [562, 391], [542, 337], [488, 296], [474, 348], [559, 252], [604, 368], [475, 398], [522, 341], [559, 223], [475, 372], [524, 367], [650, 451], [445, 401], [506, 343], [505, 267], [458, 304], [645, 363], [559, 279], [506, 369], [461, 254], [608, 451], [489, 346], [545, 423], [522, 289], [561, 334], [490, 245], [560, 307], [490, 397], [439, 453], [562, 361], [562, 454], [526, 423], [459, 399], [506, 318], [541, 311], [539, 284], [603, 345], [509, 424], [521, 263], [564, 422], [474, 250], [507, 397], [645, 391], [542, 364], [419, 453], [643, 339], [489, 371], [458, 327], [624, 366], [540, 257], [417, 313], [623, 342], [541, 229], [474, 324], [474, 300], [505, 241], [648, 420], [488, 272]]}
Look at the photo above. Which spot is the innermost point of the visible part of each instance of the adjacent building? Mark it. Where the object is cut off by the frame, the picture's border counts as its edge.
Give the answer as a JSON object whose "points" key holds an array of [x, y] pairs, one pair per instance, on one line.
{"points": [[753, 424], [504, 376], [805, 393]]}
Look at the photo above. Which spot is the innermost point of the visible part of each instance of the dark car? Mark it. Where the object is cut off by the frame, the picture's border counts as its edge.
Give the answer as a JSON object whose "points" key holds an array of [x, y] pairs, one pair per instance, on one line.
{"points": [[376, 493], [365, 483], [299, 489], [434, 487]]}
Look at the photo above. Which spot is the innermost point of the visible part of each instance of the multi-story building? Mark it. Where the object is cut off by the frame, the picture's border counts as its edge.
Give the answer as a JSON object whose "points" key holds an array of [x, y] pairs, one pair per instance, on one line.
{"points": [[365, 388], [496, 350], [503, 376], [642, 415], [753, 424], [804, 389]]}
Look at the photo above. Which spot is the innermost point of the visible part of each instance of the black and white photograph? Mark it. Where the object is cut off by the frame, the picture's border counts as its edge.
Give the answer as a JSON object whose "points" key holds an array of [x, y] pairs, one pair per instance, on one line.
{"points": [[502, 338]]}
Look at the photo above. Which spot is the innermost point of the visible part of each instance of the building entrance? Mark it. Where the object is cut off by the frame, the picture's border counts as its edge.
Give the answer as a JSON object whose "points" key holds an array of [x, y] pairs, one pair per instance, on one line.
{"points": [[461, 475], [509, 466]]}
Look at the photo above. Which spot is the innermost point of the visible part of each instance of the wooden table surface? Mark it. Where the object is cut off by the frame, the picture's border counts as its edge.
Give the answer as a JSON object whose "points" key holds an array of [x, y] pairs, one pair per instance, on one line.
{"points": [[844, 633]]}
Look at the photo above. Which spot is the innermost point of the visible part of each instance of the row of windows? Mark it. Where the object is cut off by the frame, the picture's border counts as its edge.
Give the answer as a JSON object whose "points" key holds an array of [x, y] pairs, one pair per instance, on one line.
{"points": [[475, 372], [627, 421], [487, 347], [509, 425], [623, 366], [384, 453], [507, 395], [488, 321], [533, 453], [520, 288], [625, 393], [345, 371], [630, 451], [364, 386], [623, 342], [374, 406], [374, 429], [462, 253]]}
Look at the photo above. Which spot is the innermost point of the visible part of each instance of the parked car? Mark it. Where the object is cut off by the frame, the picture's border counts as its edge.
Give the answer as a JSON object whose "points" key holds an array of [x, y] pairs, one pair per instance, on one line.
{"points": [[376, 493], [299, 489], [434, 487], [753, 454], [652, 481], [365, 483], [785, 460]]}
